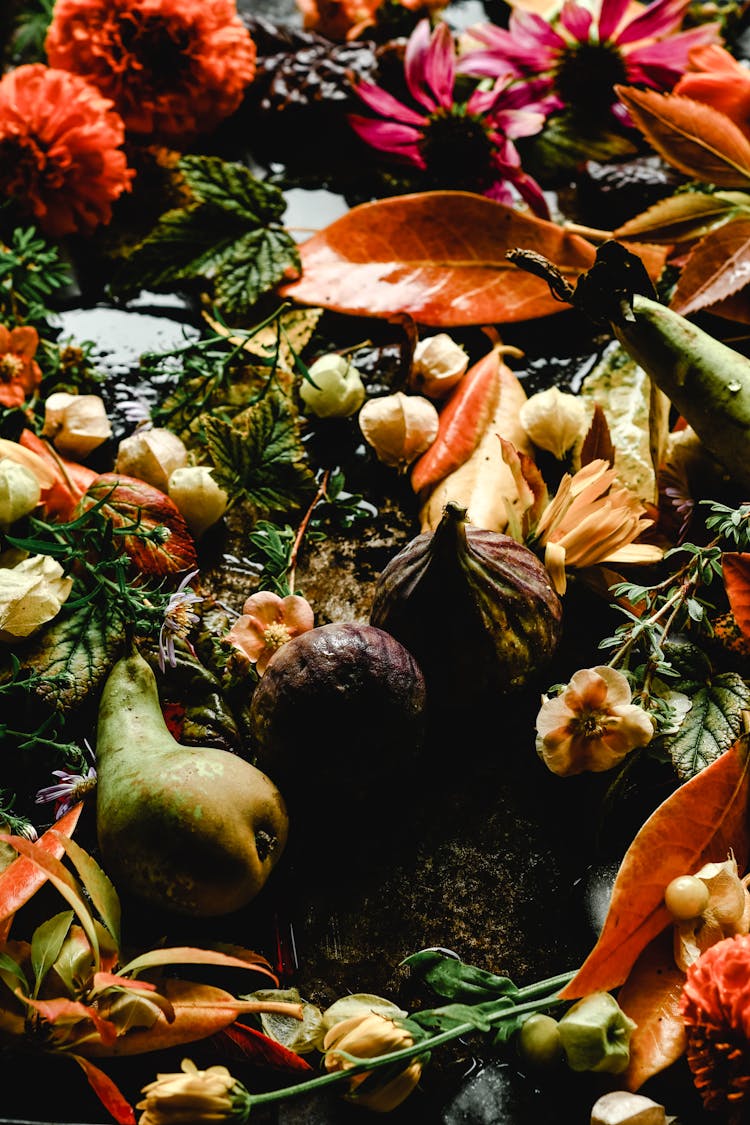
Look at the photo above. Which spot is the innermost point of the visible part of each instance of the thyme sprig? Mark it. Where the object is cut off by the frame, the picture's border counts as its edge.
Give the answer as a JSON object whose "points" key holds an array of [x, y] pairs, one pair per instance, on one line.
{"points": [[675, 604]]}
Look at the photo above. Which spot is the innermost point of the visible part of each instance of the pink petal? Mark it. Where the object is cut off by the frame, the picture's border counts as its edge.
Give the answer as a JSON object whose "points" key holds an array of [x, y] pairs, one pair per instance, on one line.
{"points": [[263, 605], [661, 64], [298, 614], [529, 30], [416, 58], [389, 137], [658, 19], [440, 65], [610, 17], [247, 637], [554, 715], [576, 20], [380, 101]]}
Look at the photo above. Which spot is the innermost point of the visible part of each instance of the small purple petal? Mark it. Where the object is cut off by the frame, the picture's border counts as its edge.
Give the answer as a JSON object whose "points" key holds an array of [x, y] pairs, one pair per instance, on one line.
{"points": [[576, 20], [610, 17], [380, 101], [415, 66], [658, 19]]}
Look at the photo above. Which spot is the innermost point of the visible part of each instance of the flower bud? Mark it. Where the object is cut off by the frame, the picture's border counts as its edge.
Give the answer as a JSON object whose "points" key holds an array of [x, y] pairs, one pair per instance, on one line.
{"points": [[367, 1036], [151, 455], [192, 1096], [438, 364], [620, 1107], [336, 390], [31, 593], [75, 424], [200, 499], [398, 427], [554, 421], [20, 492], [357, 1004], [595, 1035], [539, 1041]]}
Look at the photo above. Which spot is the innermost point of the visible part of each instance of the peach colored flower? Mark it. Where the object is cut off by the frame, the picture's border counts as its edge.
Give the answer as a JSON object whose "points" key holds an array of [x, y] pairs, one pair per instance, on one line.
{"points": [[717, 79], [268, 622], [366, 1036], [173, 68], [60, 156], [20, 374], [592, 724], [589, 521]]}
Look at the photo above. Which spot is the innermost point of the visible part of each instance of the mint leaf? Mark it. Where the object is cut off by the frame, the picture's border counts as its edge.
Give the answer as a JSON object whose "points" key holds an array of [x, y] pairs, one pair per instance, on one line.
{"points": [[253, 264], [711, 726], [232, 188]]}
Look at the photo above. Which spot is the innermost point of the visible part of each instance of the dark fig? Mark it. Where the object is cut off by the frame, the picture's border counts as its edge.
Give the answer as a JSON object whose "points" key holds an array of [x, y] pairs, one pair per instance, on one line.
{"points": [[476, 607], [337, 709]]}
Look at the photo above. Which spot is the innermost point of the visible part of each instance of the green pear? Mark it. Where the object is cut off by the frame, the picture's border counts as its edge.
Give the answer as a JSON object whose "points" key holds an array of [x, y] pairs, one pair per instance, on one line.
{"points": [[195, 830]]}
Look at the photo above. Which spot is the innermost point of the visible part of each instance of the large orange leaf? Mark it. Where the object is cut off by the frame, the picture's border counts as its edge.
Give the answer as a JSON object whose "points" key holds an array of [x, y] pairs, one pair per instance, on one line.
{"points": [[651, 997], [439, 256], [693, 137], [736, 571], [200, 1010], [716, 268], [701, 822]]}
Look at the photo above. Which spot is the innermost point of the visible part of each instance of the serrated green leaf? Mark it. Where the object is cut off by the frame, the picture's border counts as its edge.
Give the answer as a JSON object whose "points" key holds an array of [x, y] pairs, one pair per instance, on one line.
{"points": [[46, 943], [455, 980], [712, 725], [232, 187], [689, 662], [74, 655], [256, 263], [184, 244], [261, 455]]}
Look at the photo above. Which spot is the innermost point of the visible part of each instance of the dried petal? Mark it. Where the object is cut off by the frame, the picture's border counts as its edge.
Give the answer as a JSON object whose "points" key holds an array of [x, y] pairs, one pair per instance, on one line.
{"points": [[200, 499], [554, 420], [151, 455], [76, 424], [20, 492], [438, 364]]}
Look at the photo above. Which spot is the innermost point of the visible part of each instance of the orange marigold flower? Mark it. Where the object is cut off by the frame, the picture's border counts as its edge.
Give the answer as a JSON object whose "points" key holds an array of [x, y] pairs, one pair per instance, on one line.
{"points": [[19, 371], [717, 79], [60, 154], [715, 1007], [173, 68]]}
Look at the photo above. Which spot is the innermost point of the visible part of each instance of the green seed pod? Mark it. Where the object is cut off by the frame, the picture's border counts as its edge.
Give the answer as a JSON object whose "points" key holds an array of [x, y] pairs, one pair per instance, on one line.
{"points": [[595, 1035]]}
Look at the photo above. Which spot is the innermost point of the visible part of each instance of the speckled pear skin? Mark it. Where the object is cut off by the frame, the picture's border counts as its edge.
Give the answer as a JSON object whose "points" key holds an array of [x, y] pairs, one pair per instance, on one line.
{"points": [[194, 830]]}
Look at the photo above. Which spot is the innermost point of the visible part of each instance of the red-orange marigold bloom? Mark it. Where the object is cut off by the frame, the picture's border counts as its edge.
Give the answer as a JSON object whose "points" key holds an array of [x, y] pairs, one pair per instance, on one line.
{"points": [[716, 78], [60, 155], [715, 1007], [19, 371], [174, 68]]}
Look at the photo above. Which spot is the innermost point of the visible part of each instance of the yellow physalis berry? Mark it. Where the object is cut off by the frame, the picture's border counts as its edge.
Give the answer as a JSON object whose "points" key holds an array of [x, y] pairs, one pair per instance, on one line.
{"points": [[686, 897]]}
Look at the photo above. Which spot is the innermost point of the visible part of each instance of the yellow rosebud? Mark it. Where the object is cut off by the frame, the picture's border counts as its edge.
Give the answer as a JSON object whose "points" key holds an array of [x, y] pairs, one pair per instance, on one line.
{"points": [[31, 593], [200, 499], [76, 424], [367, 1036], [193, 1096], [20, 492], [336, 389]]}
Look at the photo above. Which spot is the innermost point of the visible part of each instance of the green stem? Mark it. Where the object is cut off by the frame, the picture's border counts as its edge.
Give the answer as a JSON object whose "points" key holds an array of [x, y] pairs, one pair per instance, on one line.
{"points": [[533, 1001]]}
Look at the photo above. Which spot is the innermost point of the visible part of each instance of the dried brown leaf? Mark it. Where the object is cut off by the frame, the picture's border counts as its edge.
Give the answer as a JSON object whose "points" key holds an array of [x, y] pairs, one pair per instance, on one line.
{"points": [[681, 218], [717, 267], [693, 137]]}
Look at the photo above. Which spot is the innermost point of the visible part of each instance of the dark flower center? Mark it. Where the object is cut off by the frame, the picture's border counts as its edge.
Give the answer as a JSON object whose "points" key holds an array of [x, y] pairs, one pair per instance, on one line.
{"points": [[25, 170], [161, 49], [586, 75], [11, 368], [457, 150]]}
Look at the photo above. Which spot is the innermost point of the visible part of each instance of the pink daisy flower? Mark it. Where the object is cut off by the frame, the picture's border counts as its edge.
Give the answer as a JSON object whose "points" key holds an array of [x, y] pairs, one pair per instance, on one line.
{"points": [[267, 622], [464, 145], [582, 54]]}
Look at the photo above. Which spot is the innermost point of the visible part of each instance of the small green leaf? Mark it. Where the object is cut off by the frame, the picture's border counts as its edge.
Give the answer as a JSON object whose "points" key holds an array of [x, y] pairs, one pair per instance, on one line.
{"points": [[455, 980], [452, 1015], [711, 726], [257, 262], [46, 943], [232, 187], [11, 972]]}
